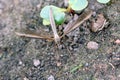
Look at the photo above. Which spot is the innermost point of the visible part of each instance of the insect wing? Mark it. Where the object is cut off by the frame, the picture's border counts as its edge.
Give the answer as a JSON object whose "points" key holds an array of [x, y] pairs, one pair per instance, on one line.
{"points": [[34, 34]]}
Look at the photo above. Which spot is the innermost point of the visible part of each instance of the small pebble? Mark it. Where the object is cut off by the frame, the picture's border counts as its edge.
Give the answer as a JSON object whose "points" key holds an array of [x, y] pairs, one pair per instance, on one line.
{"points": [[86, 64], [118, 75], [25, 78], [51, 77], [20, 63], [117, 41], [92, 45], [36, 62], [38, 6], [59, 64]]}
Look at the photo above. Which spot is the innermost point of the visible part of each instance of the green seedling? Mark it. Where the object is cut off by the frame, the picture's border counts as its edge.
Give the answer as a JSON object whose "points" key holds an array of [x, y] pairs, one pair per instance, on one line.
{"points": [[103, 1], [76, 68], [59, 13], [78, 5]]}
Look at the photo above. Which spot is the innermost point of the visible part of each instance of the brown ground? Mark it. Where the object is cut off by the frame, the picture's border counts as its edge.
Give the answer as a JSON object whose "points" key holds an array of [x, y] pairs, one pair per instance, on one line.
{"points": [[73, 61]]}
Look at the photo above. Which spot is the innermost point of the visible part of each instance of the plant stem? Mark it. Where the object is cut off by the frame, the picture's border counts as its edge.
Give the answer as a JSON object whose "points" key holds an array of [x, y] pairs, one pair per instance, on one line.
{"points": [[63, 10], [68, 8]]}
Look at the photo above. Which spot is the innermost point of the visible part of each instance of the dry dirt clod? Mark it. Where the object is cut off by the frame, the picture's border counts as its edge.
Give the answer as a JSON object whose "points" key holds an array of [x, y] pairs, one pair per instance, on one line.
{"points": [[51, 77], [92, 45], [99, 24], [36, 62], [25, 78], [117, 41], [59, 64]]}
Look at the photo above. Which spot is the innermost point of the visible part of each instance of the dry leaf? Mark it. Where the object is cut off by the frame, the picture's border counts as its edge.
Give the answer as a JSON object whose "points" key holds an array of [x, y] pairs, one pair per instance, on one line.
{"points": [[99, 23]]}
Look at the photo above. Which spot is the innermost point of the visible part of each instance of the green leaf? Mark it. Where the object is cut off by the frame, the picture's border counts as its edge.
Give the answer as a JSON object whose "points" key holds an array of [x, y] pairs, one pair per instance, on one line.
{"points": [[46, 22], [78, 4], [103, 1], [59, 18], [58, 14]]}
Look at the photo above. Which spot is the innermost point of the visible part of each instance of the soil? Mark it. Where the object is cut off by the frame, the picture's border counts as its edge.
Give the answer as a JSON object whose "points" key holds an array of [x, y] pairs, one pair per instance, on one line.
{"points": [[72, 60]]}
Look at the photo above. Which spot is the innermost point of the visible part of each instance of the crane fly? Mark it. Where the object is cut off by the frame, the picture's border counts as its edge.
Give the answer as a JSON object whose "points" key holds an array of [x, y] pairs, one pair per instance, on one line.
{"points": [[55, 37]]}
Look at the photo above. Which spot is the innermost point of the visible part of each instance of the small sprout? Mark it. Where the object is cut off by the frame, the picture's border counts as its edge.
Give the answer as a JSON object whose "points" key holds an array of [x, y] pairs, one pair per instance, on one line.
{"points": [[76, 68], [78, 5], [58, 14], [103, 1]]}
